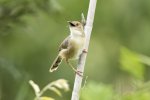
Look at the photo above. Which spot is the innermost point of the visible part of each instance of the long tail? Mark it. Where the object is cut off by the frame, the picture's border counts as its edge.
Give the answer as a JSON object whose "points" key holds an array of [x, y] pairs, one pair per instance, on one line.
{"points": [[56, 63]]}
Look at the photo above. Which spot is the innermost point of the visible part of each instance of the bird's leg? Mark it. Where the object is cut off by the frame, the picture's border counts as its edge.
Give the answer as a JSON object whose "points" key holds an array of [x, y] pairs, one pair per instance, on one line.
{"points": [[85, 51], [76, 71]]}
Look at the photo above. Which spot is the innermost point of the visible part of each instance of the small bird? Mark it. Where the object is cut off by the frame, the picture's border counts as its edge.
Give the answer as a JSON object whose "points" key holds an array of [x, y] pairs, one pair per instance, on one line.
{"points": [[72, 47]]}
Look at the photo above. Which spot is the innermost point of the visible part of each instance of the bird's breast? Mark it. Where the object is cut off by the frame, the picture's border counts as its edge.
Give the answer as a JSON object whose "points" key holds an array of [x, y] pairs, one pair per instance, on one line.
{"points": [[75, 48]]}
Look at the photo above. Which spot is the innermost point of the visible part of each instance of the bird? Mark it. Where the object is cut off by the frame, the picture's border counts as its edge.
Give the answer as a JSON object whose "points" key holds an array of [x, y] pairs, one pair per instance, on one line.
{"points": [[72, 46]]}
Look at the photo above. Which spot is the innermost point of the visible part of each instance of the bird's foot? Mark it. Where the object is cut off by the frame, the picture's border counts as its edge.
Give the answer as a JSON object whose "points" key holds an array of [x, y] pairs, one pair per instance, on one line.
{"points": [[79, 73], [85, 51]]}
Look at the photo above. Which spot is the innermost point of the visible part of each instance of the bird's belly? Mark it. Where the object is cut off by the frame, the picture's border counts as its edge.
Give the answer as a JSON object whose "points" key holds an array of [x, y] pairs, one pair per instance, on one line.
{"points": [[73, 51], [76, 54]]}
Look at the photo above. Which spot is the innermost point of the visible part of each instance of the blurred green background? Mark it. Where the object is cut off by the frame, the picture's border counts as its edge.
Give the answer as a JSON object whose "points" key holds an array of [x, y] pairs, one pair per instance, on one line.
{"points": [[118, 62]]}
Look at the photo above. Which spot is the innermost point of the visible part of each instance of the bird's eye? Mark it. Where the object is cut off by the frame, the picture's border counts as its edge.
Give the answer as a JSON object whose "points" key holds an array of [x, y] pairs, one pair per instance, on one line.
{"points": [[77, 24]]}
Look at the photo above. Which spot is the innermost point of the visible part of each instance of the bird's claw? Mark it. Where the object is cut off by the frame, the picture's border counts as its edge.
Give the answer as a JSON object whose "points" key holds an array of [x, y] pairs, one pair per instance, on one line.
{"points": [[85, 51], [79, 73]]}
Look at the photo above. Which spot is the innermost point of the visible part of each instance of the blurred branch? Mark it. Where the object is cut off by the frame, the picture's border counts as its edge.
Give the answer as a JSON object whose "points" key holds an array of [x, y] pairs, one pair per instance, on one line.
{"points": [[82, 60]]}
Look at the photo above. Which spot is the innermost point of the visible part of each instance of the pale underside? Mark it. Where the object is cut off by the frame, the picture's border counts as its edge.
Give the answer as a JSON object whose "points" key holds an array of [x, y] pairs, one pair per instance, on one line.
{"points": [[72, 47]]}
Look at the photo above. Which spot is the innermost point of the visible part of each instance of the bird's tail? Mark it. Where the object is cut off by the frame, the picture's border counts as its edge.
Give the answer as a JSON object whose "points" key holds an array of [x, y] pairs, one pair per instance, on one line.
{"points": [[56, 63]]}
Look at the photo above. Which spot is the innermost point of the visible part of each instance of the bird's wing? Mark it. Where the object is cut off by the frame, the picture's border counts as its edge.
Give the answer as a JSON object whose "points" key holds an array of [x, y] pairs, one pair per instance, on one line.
{"points": [[64, 44]]}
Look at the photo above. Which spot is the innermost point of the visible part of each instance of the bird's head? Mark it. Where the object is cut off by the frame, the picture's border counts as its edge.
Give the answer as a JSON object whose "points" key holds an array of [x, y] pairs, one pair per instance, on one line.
{"points": [[76, 28]]}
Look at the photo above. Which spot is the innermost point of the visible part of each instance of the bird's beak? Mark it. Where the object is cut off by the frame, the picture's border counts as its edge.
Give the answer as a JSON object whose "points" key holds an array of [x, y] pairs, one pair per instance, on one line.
{"points": [[70, 23]]}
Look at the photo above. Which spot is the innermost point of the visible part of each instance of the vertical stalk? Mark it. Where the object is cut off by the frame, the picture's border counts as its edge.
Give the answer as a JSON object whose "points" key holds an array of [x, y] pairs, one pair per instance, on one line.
{"points": [[82, 60]]}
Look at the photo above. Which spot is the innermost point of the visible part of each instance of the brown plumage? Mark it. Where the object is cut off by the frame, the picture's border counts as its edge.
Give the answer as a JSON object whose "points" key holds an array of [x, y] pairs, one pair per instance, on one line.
{"points": [[56, 63]]}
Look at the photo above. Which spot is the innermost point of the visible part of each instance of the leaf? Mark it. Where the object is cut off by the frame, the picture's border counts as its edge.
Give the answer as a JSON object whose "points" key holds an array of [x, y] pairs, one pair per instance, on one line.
{"points": [[130, 62], [95, 91], [46, 98], [54, 86], [145, 59], [35, 87], [55, 90], [62, 84]]}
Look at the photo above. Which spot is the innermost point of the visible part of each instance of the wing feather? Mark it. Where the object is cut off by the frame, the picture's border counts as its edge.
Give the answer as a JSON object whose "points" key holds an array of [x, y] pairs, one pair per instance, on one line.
{"points": [[64, 44]]}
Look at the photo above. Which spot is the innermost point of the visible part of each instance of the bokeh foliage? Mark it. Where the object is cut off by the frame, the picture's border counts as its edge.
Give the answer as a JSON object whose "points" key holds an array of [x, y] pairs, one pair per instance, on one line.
{"points": [[118, 57]]}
